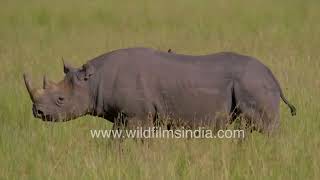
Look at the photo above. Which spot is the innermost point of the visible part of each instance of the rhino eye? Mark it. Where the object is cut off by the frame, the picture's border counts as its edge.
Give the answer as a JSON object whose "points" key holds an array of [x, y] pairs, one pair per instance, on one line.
{"points": [[60, 100]]}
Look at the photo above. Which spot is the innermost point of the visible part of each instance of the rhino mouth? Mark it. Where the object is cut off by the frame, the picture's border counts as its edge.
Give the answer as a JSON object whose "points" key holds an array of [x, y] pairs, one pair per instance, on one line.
{"points": [[37, 113]]}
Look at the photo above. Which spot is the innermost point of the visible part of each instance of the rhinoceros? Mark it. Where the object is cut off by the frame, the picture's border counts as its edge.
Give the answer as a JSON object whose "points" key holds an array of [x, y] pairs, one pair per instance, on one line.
{"points": [[131, 85]]}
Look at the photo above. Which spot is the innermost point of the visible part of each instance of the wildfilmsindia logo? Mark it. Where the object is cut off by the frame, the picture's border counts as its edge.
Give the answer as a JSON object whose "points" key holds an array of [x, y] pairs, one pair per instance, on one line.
{"points": [[152, 132]]}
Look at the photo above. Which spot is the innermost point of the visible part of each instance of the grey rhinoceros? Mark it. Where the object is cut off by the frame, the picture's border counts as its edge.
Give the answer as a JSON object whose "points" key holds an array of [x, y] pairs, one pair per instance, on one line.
{"points": [[129, 85]]}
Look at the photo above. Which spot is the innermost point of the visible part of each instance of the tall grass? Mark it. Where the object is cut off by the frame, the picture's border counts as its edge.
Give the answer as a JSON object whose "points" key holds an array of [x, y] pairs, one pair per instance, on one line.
{"points": [[34, 35]]}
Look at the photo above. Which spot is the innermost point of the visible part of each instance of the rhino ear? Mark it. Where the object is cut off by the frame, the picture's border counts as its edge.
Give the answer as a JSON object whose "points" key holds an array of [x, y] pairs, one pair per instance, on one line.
{"points": [[89, 70], [66, 67]]}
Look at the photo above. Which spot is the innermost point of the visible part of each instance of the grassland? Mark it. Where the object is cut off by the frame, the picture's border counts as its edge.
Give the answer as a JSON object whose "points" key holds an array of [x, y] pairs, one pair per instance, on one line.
{"points": [[34, 35]]}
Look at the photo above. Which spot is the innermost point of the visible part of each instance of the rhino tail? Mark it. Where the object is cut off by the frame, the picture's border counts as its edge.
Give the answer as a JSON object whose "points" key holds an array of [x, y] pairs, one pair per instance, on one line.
{"points": [[292, 108]]}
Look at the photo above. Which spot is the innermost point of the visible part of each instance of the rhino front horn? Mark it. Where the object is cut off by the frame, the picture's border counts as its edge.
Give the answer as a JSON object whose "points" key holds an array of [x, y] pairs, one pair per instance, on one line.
{"points": [[28, 86]]}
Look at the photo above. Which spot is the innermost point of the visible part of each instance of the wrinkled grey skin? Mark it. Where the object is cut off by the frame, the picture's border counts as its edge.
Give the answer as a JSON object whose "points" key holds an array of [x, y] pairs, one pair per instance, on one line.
{"points": [[132, 85]]}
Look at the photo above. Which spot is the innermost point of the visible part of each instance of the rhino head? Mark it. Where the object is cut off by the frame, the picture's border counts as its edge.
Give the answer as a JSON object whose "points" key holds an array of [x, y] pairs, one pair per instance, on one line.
{"points": [[65, 100]]}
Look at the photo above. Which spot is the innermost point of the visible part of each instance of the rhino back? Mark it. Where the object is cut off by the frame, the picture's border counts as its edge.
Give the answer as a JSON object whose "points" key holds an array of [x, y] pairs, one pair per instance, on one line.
{"points": [[142, 80]]}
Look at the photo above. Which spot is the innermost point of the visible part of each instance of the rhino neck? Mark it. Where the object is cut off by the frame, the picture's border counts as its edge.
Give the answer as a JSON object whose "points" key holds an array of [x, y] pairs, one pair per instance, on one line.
{"points": [[96, 99], [102, 88], [101, 95]]}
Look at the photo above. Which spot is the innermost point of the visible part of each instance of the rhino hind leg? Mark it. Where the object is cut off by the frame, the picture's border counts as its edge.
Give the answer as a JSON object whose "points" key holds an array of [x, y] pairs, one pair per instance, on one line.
{"points": [[258, 107]]}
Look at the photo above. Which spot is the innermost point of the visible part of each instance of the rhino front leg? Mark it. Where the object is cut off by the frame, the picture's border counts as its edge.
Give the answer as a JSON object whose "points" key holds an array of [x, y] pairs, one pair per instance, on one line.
{"points": [[136, 123], [131, 126]]}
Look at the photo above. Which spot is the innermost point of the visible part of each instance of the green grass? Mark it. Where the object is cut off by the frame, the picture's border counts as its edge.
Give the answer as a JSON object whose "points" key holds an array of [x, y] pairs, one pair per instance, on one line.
{"points": [[34, 35]]}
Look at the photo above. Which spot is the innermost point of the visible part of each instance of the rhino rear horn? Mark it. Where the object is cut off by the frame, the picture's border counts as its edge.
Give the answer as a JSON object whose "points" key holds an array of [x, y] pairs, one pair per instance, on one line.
{"points": [[46, 83]]}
